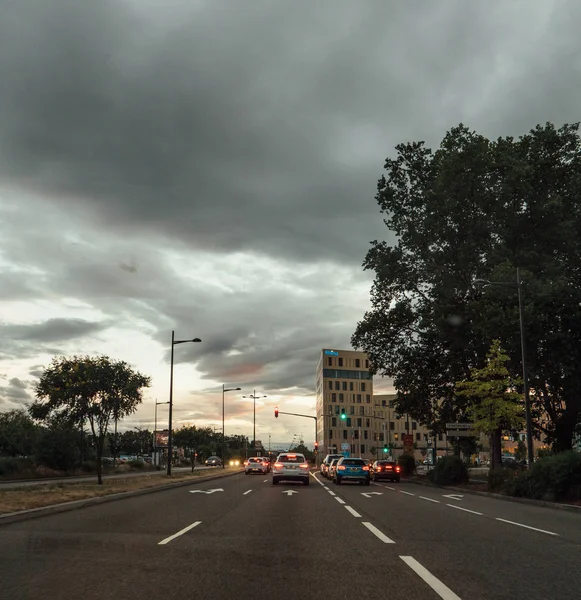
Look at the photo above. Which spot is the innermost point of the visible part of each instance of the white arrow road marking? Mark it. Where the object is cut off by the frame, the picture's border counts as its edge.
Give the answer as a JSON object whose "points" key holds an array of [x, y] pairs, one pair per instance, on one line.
{"points": [[453, 496], [289, 492], [206, 491], [175, 535], [369, 494], [442, 590]]}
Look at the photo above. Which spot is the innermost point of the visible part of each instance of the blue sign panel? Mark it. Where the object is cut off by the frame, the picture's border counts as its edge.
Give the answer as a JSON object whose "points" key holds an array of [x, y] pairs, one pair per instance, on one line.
{"points": [[331, 353]]}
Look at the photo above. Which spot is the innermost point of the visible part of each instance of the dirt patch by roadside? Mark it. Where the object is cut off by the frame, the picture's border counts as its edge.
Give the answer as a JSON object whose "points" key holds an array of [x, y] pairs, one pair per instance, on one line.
{"points": [[25, 498]]}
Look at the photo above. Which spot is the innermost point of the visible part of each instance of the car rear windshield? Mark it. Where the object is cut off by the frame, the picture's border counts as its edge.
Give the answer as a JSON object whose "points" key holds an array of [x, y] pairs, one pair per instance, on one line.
{"points": [[385, 463], [255, 460], [291, 458], [353, 461]]}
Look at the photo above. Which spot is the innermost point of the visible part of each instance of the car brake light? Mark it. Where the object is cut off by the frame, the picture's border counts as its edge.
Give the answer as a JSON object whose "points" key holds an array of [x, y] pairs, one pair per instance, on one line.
{"points": [[305, 466], [366, 468], [292, 455], [397, 468], [379, 468], [341, 468], [278, 465]]}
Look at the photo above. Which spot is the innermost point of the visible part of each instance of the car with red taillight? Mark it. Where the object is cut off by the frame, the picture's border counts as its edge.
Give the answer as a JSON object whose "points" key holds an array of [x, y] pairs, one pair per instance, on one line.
{"points": [[332, 468], [385, 469], [290, 466], [255, 465], [352, 469], [327, 463]]}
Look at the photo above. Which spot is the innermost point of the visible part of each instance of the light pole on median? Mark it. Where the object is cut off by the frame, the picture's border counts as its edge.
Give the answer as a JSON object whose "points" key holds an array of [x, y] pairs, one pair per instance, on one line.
{"points": [[254, 397], [224, 390], [174, 342], [529, 422]]}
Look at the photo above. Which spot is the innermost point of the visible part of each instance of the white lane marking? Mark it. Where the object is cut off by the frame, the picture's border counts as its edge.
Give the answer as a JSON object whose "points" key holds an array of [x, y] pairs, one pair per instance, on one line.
{"points": [[454, 496], [464, 509], [407, 493], [442, 590], [325, 487], [377, 533], [248, 492], [353, 511], [265, 481], [389, 488], [527, 526], [339, 500], [332, 493], [430, 499], [175, 535]]}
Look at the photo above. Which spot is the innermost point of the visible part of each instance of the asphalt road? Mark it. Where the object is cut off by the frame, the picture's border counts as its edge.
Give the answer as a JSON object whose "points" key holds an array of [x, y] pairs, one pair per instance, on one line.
{"points": [[4, 485], [250, 539]]}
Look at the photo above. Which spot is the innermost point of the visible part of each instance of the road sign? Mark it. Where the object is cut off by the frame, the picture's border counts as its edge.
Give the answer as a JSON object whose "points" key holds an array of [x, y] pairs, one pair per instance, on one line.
{"points": [[460, 430], [369, 494], [408, 442], [344, 446], [289, 492], [206, 491]]}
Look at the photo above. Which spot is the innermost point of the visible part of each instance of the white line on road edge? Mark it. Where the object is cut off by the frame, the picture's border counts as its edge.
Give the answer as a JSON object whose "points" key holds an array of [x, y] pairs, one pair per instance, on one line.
{"points": [[377, 533], [332, 493], [464, 509], [248, 492], [175, 535], [527, 526], [443, 591], [339, 500], [353, 511], [407, 493], [430, 499]]}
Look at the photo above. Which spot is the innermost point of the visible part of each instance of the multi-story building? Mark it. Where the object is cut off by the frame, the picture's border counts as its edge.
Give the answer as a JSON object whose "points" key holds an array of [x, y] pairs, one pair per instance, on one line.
{"points": [[345, 417]]}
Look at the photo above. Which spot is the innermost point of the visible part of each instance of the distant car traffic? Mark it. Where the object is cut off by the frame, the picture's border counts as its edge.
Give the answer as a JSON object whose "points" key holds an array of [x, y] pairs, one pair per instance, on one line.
{"points": [[327, 462], [213, 461], [332, 469], [255, 464], [352, 469], [234, 462], [290, 467], [385, 469]]}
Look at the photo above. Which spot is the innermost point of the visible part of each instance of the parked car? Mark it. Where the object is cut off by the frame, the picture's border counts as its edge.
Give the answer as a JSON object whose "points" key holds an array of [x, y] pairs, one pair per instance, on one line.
{"points": [[352, 469], [213, 461], [290, 467], [385, 469]]}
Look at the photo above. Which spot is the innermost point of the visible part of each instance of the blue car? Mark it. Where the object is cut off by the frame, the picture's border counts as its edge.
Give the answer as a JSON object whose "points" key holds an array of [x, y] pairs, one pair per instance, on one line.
{"points": [[352, 469]]}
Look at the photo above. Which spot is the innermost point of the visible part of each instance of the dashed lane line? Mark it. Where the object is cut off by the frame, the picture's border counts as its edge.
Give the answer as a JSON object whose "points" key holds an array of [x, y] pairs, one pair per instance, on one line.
{"points": [[464, 509], [181, 532], [440, 588], [332, 493], [406, 493], [353, 512], [339, 500], [527, 526], [246, 492], [377, 533], [429, 499]]}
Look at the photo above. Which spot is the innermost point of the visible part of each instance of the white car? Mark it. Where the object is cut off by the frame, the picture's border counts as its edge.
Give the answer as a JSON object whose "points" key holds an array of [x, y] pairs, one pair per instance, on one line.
{"points": [[290, 467], [255, 465]]}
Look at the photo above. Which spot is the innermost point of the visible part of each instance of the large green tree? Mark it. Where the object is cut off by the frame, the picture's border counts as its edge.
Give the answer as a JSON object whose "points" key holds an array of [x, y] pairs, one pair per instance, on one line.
{"points": [[477, 208], [495, 405], [95, 389], [19, 435]]}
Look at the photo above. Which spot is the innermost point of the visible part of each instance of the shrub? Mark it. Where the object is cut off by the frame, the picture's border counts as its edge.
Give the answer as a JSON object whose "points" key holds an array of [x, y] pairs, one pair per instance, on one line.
{"points": [[407, 463], [13, 466], [498, 478], [136, 464], [449, 470], [556, 477]]}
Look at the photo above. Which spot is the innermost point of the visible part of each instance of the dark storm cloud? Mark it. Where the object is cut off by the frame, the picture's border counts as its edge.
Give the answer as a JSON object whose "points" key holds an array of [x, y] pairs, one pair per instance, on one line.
{"points": [[261, 125], [52, 330]]}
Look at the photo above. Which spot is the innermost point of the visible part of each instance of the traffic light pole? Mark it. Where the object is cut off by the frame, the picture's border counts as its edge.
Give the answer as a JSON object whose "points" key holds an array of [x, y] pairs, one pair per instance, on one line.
{"points": [[277, 412]]}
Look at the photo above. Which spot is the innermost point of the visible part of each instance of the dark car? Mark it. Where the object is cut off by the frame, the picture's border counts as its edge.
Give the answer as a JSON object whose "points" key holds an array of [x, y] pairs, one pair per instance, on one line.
{"points": [[385, 469], [214, 461]]}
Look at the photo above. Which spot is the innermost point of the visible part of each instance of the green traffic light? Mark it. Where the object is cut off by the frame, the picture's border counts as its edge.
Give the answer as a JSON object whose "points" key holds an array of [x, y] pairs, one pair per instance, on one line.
{"points": [[343, 416]]}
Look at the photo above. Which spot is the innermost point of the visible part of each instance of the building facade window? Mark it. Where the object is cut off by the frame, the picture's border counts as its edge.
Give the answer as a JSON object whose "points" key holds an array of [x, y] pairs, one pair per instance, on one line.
{"points": [[340, 362], [341, 399], [333, 397], [368, 398], [358, 363], [363, 386], [344, 386]]}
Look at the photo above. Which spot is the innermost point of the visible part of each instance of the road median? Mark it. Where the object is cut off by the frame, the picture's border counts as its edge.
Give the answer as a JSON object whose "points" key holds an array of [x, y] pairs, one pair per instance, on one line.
{"points": [[18, 504]]}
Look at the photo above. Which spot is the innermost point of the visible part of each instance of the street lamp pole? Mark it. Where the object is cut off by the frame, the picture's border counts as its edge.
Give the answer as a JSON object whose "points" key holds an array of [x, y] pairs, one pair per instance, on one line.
{"points": [[529, 422], [174, 342], [224, 390], [254, 397]]}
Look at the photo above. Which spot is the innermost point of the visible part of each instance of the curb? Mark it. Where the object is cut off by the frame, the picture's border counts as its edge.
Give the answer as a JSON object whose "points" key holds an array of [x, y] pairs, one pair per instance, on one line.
{"points": [[33, 513], [531, 501]]}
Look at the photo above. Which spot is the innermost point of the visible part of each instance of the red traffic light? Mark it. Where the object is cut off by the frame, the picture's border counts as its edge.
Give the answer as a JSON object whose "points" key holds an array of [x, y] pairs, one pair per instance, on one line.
{"points": [[316, 445], [276, 412]]}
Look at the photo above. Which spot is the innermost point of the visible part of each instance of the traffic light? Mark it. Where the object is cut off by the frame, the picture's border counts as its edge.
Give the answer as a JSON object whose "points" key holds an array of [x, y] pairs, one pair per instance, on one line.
{"points": [[385, 448], [316, 445], [276, 412], [343, 415]]}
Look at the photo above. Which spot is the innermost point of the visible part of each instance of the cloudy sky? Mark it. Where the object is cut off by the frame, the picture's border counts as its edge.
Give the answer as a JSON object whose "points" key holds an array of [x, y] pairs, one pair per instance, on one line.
{"points": [[209, 166]]}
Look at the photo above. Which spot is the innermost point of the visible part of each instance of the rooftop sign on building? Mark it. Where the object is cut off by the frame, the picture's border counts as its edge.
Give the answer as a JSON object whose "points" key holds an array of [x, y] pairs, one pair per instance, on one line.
{"points": [[331, 353]]}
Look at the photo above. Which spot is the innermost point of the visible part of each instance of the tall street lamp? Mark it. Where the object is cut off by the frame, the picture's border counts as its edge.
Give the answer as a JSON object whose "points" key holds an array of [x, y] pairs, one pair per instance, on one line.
{"points": [[529, 422], [254, 397], [224, 390], [174, 342]]}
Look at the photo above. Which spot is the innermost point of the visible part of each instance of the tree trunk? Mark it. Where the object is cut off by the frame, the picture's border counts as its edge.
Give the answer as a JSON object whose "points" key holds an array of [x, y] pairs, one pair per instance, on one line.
{"points": [[496, 449], [99, 448], [565, 429]]}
